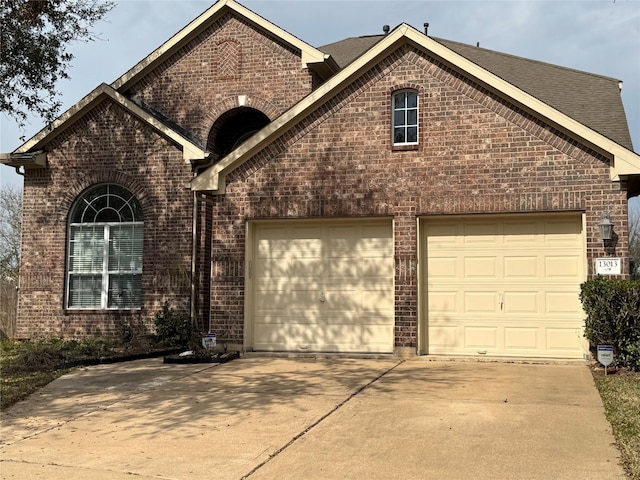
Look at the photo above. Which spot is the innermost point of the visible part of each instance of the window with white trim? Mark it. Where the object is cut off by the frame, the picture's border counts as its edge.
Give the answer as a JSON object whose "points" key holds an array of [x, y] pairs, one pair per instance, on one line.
{"points": [[104, 267], [405, 117]]}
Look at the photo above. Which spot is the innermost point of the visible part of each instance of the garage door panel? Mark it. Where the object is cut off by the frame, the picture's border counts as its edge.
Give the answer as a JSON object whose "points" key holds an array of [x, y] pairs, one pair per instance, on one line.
{"points": [[339, 267], [479, 233], [521, 338], [520, 233], [480, 302], [561, 303], [294, 301], [521, 303], [323, 286], [444, 267], [520, 267], [269, 268], [480, 267], [443, 302], [563, 339], [288, 247], [504, 285], [290, 336], [443, 339], [564, 266], [375, 267], [480, 337]]}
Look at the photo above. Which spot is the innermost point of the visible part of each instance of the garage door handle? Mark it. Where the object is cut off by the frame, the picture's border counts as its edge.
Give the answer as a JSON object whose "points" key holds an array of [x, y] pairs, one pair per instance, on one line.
{"points": [[322, 299], [501, 300]]}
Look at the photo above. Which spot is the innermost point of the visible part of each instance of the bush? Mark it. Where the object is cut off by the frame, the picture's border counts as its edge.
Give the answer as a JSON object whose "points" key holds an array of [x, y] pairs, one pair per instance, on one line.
{"points": [[613, 317], [173, 329]]}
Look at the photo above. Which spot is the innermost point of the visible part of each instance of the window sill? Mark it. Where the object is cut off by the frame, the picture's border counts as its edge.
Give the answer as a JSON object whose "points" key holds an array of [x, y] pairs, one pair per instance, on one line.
{"points": [[405, 148], [100, 311]]}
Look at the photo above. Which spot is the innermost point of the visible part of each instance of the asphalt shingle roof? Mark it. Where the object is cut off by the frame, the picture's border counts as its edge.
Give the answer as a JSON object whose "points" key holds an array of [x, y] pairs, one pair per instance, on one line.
{"points": [[591, 99]]}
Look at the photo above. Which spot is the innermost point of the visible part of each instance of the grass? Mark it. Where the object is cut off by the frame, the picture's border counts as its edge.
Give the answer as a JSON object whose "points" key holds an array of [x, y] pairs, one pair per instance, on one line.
{"points": [[621, 397], [26, 367]]}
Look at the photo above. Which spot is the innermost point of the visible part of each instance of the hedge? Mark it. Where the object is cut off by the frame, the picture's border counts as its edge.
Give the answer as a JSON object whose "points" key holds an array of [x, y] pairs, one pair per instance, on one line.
{"points": [[613, 317]]}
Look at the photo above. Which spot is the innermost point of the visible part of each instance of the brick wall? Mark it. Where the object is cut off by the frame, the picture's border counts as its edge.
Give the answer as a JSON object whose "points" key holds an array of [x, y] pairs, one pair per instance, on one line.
{"points": [[477, 154], [106, 146], [192, 89], [203, 80]]}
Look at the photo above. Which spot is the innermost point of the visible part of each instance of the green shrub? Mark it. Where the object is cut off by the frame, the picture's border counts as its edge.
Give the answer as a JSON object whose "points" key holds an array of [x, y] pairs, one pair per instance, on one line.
{"points": [[613, 317], [173, 329]]}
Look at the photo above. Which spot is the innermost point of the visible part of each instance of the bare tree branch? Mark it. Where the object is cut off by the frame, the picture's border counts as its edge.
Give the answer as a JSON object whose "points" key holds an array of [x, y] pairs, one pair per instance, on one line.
{"points": [[10, 231]]}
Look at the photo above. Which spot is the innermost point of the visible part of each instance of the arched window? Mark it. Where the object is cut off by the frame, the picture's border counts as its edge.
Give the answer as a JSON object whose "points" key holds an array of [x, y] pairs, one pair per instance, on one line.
{"points": [[104, 268], [405, 117]]}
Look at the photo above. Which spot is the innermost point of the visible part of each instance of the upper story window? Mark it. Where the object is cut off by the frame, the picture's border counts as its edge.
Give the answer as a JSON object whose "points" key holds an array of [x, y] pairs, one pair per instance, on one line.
{"points": [[104, 267], [405, 118]]}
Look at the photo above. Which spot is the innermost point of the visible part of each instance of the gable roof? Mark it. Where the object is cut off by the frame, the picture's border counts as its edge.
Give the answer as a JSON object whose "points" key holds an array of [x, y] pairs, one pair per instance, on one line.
{"points": [[591, 99], [623, 160], [32, 149], [592, 114], [310, 56]]}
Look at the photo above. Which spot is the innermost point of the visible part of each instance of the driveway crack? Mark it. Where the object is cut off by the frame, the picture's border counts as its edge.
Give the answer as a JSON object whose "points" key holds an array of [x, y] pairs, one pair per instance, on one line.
{"points": [[320, 420]]}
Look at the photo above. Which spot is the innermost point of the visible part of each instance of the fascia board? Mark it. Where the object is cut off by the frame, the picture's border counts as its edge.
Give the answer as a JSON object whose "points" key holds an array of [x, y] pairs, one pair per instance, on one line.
{"points": [[190, 150], [29, 160], [63, 121], [624, 161], [309, 54]]}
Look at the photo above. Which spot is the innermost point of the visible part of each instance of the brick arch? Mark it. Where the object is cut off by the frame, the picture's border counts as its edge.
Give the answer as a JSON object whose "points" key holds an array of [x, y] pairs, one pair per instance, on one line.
{"points": [[234, 126], [406, 86], [96, 177], [249, 100]]}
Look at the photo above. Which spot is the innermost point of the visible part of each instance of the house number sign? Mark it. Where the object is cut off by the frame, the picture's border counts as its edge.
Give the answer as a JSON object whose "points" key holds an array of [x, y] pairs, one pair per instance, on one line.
{"points": [[608, 266]]}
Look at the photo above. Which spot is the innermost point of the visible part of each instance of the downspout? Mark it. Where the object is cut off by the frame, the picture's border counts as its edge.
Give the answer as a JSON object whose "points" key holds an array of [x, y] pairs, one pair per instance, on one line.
{"points": [[18, 171]]}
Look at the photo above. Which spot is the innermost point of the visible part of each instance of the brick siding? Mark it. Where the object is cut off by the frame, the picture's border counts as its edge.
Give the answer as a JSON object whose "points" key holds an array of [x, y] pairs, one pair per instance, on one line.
{"points": [[477, 154]]}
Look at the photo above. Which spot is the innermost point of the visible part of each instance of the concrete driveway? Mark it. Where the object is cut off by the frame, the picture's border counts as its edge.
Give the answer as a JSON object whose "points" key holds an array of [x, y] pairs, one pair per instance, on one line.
{"points": [[280, 418]]}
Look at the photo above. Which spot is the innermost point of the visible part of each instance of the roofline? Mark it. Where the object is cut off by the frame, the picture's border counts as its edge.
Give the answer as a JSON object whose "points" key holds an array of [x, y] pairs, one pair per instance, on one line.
{"points": [[309, 55], [191, 151], [623, 161]]}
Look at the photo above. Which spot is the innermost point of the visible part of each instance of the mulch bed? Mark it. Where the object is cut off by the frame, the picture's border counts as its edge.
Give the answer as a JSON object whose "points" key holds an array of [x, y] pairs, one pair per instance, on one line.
{"points": [[212, 358]]}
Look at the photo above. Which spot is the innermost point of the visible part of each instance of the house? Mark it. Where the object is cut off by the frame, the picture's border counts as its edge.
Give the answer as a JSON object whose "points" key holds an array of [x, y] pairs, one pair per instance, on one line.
{"points": [[393, 193]]}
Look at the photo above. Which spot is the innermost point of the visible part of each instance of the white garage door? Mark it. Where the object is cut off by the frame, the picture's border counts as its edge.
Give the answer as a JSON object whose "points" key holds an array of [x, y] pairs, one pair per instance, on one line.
{"points": [[505, 285], [323, 286]]}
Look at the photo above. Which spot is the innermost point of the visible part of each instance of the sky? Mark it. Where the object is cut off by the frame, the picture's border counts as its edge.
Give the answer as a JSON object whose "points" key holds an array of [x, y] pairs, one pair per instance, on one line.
{"points": [[597, 36]]}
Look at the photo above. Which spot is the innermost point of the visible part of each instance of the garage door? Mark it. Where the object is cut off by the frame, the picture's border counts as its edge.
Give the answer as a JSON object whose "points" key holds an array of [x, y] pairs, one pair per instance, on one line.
{"points": [[323, 286], [505, 285]]}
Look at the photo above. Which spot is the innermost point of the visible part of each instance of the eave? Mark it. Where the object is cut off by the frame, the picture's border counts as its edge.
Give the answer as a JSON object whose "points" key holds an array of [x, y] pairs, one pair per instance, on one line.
{"points": [[32, 153], [624, 162], [29, 160]]}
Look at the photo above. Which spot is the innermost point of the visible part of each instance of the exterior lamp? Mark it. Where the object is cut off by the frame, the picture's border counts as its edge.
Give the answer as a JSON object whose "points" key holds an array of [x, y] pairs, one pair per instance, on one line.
{"points": [[606, 227]]}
